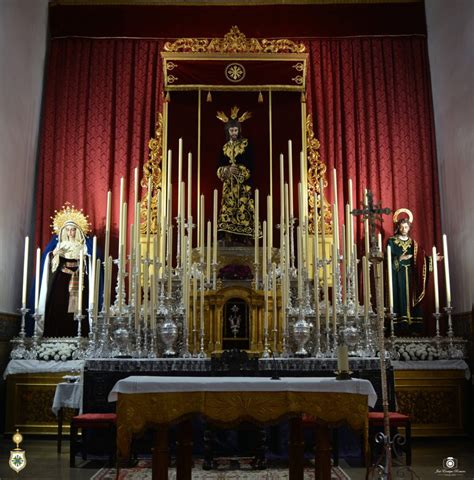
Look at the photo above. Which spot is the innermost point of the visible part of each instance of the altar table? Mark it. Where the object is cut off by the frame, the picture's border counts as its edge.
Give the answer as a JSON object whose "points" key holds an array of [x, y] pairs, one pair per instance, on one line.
{"points": [[156, 402]]}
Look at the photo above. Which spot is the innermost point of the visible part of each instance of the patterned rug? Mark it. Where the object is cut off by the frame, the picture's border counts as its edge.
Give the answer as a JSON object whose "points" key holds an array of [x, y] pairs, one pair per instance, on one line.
{"points": [[228, 469]]}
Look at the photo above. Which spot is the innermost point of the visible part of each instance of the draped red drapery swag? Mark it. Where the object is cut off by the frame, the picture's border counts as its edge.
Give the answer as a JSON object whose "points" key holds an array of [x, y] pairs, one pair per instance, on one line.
{"points": [[369, 97]]}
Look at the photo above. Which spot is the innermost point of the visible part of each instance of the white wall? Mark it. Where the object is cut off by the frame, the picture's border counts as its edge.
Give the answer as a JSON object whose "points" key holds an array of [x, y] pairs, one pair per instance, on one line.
{"points": [[23, 38], [451, 43]]}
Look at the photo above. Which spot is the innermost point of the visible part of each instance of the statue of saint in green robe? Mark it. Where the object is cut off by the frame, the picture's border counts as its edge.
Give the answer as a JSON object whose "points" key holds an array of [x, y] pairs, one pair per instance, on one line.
{"points": [[410, 269]]}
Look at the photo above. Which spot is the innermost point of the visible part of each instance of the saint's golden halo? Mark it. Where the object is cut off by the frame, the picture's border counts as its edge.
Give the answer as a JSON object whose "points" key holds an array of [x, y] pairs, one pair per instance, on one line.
{"points": [[403, 210], [69, 214]]}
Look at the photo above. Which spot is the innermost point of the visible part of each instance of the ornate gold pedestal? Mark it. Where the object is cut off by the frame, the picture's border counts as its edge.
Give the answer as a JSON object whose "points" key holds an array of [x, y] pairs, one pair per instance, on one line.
{"points": [[434, 399]]}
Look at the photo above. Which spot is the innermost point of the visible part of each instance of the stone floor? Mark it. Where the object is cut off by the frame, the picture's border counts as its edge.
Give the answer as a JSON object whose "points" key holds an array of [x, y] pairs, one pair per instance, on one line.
{"points": [[428, 454]]}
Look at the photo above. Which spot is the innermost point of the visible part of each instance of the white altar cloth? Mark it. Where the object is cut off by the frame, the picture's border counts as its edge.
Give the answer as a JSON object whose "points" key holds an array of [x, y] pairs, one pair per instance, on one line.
{"points": [[156, 384], [41, 366], [67, 395]]}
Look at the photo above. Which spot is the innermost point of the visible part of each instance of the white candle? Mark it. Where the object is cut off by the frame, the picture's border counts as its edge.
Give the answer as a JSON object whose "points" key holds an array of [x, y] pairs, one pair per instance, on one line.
{"points": [[300, 261], [446, 270], [135, 189], [37, 278], [265, 296], [214, 228], [264, 256], [270, 227], [390, 281], [180, 172], [170, 258], [148, 218], [304, 184], [201, 230], [25, 272], [348, 236], [350, 224], [208, 255], [201, 306], [356, 276], [255, 227], [336, 209], [107, 226], [379, 241], [335, 261], [282, 181], [290, 176], [81, 282], [190, 173], [152, 302], [342, 358], [94, 258], [365, 280], [194, 302], [96, 289], [122, 188], [435, 278]]}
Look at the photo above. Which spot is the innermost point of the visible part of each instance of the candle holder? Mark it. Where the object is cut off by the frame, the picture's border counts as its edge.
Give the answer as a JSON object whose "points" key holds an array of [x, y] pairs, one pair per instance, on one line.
{"points": [[79, 353], [202, 352], [92, 344], [32, 354], [343, 374], [285, 352], [256, 282], [275, 340], [138, 340], [437, 315], [103, 347], [266, 348], [152, 349], [19, 351], [449, 311], [317, 352], [120, 298]]}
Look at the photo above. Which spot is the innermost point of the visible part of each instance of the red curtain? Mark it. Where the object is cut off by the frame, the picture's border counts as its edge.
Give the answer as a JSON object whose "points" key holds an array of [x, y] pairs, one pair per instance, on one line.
{"points": [[370, 99], [371, 104], [100, 107]]}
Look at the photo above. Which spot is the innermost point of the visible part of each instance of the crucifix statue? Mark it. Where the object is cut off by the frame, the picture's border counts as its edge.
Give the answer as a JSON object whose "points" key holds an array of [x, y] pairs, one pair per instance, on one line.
{"points": [[374, 214]]}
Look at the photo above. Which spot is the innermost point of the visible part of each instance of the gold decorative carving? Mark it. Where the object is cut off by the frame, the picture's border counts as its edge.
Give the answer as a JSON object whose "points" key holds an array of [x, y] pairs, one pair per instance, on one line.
{"points": [[235, 72], [299, 67], [316, 171], [234, 42], [171, 65], [144, 410], [298, 80], [172, 79], [152, 169]]}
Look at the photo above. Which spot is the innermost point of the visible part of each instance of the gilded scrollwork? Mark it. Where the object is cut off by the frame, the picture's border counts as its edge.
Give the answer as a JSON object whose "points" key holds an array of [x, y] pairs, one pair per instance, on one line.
{"points": [[316, 171], [152, 169], [298, 80], [234, 42], [172, 79]]}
